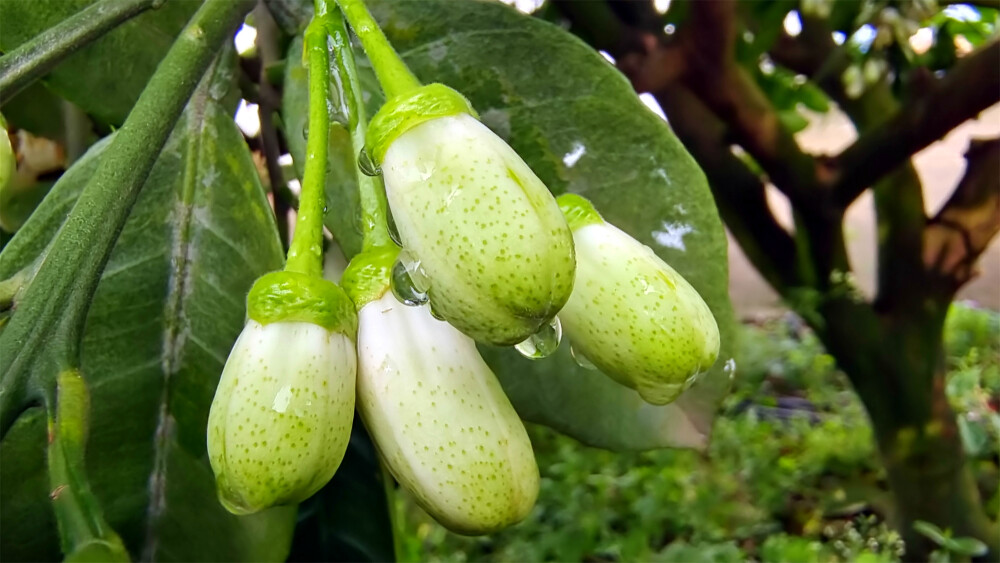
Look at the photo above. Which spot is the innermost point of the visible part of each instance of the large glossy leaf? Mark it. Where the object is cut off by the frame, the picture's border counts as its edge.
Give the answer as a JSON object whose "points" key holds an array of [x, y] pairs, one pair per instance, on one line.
{"points": [[577, 122], [106, 77], [167, 310]]}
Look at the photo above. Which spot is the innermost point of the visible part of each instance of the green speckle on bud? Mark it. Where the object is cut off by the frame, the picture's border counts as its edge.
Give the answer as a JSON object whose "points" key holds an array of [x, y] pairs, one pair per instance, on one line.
{"points": [[293, 296], [281, 418], [493, 247], [367, 277], [633, 316], [404, 112], [441, 421]]}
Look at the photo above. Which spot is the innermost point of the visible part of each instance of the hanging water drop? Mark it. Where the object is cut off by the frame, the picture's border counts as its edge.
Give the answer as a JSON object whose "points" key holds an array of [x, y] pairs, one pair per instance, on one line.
{"points": [[403, 287], [434, 312], [543, 343], [390, 225], [325, 209], [305, 132], [415, 270], [366, 165], [581, 360]]}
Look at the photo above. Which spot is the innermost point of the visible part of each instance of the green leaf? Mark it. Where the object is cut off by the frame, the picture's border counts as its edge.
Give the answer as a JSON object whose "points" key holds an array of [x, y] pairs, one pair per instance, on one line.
{"points": [[168, 308], [968, 546], [581, 128], [106, 77], [931, 531]]}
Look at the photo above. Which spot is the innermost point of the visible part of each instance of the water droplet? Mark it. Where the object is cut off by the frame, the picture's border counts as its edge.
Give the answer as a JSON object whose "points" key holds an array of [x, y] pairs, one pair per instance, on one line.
{"points": [[434, 312], [543, 343], [305, 132], [409, 284], [325, 209], [366, 165], [581, 360], [390, 225]]}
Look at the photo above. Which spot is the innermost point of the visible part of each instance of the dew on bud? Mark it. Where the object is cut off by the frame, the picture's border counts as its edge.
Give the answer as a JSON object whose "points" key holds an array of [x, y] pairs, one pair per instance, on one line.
{"points": [[368, 168], [390, 225], [543, 343], [305, 132], [434, 312], [581, 360], [408, 282]]}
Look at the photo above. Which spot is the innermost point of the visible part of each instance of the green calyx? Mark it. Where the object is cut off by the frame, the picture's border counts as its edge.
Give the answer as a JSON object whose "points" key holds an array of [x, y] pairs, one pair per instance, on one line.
{"points": [[293, 296], [368, 276], [405, 111], [578, 210]]}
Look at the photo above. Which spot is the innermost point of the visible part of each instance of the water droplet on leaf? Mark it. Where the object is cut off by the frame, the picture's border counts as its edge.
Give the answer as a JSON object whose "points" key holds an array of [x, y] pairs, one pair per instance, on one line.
{"points": [[543, 343]]}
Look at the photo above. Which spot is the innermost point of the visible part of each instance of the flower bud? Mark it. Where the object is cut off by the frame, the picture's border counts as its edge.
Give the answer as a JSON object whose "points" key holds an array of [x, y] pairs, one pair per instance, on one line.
{"points": [[631, 314], [281, 418], [495, 252], [440, 419]]}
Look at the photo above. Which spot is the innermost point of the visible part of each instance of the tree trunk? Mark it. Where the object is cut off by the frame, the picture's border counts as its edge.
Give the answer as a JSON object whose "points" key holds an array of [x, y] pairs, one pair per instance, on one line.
{"points": [[897, 366]]}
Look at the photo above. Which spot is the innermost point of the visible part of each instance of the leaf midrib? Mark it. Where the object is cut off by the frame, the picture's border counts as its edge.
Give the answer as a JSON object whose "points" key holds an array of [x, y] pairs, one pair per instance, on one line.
{"points": [[180, 260]]}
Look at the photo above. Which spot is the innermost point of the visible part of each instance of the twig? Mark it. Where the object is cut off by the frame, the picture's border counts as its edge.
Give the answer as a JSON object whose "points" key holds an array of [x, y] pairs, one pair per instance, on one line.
{"points": [[32, 59]]}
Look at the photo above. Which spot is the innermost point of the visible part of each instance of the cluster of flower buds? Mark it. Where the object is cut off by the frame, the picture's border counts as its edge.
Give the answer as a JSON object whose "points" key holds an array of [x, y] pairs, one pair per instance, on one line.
{"points": [[498, 258]]}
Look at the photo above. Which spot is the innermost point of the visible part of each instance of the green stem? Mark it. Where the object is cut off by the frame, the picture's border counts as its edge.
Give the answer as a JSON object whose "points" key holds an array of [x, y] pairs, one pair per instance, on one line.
{"points": [[44, 333], [32, 59], [84, 533], [306, 252], [370, 188], [393, 74]]}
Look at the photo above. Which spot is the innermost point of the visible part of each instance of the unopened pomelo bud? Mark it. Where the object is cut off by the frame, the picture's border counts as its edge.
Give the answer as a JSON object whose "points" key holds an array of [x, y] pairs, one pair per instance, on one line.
{"points": [[495, 252], [438, 415], [631, 314], [281, 418]]}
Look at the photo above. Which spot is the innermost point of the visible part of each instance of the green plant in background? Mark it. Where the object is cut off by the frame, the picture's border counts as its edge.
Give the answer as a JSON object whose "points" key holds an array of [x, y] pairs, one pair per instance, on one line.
{"points": [[791, 473]]}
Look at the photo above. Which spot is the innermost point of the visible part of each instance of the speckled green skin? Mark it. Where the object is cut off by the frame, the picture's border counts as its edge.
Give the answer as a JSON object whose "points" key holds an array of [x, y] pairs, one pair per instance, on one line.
{"points": [[441, 421], [635, 317], [490, 238], [281, 418]]}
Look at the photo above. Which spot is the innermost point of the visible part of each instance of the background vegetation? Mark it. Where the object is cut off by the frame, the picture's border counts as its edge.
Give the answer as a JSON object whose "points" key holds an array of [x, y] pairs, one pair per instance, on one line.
{"points": [[792, 472]]}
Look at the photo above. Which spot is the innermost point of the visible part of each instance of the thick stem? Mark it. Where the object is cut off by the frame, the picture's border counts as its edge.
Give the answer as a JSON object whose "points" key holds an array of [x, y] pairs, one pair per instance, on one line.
{"points": [[32, 59], [43, 336], [896, 365], [393, 74], [306, 252], [84, 533], [371, 190]]}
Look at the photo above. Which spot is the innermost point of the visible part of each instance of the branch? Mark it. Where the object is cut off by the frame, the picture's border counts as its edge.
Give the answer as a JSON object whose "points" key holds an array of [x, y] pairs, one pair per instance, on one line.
{"points": [[733, 95], [972, 86], [32, 59], [739, 193], [961, 231]]}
